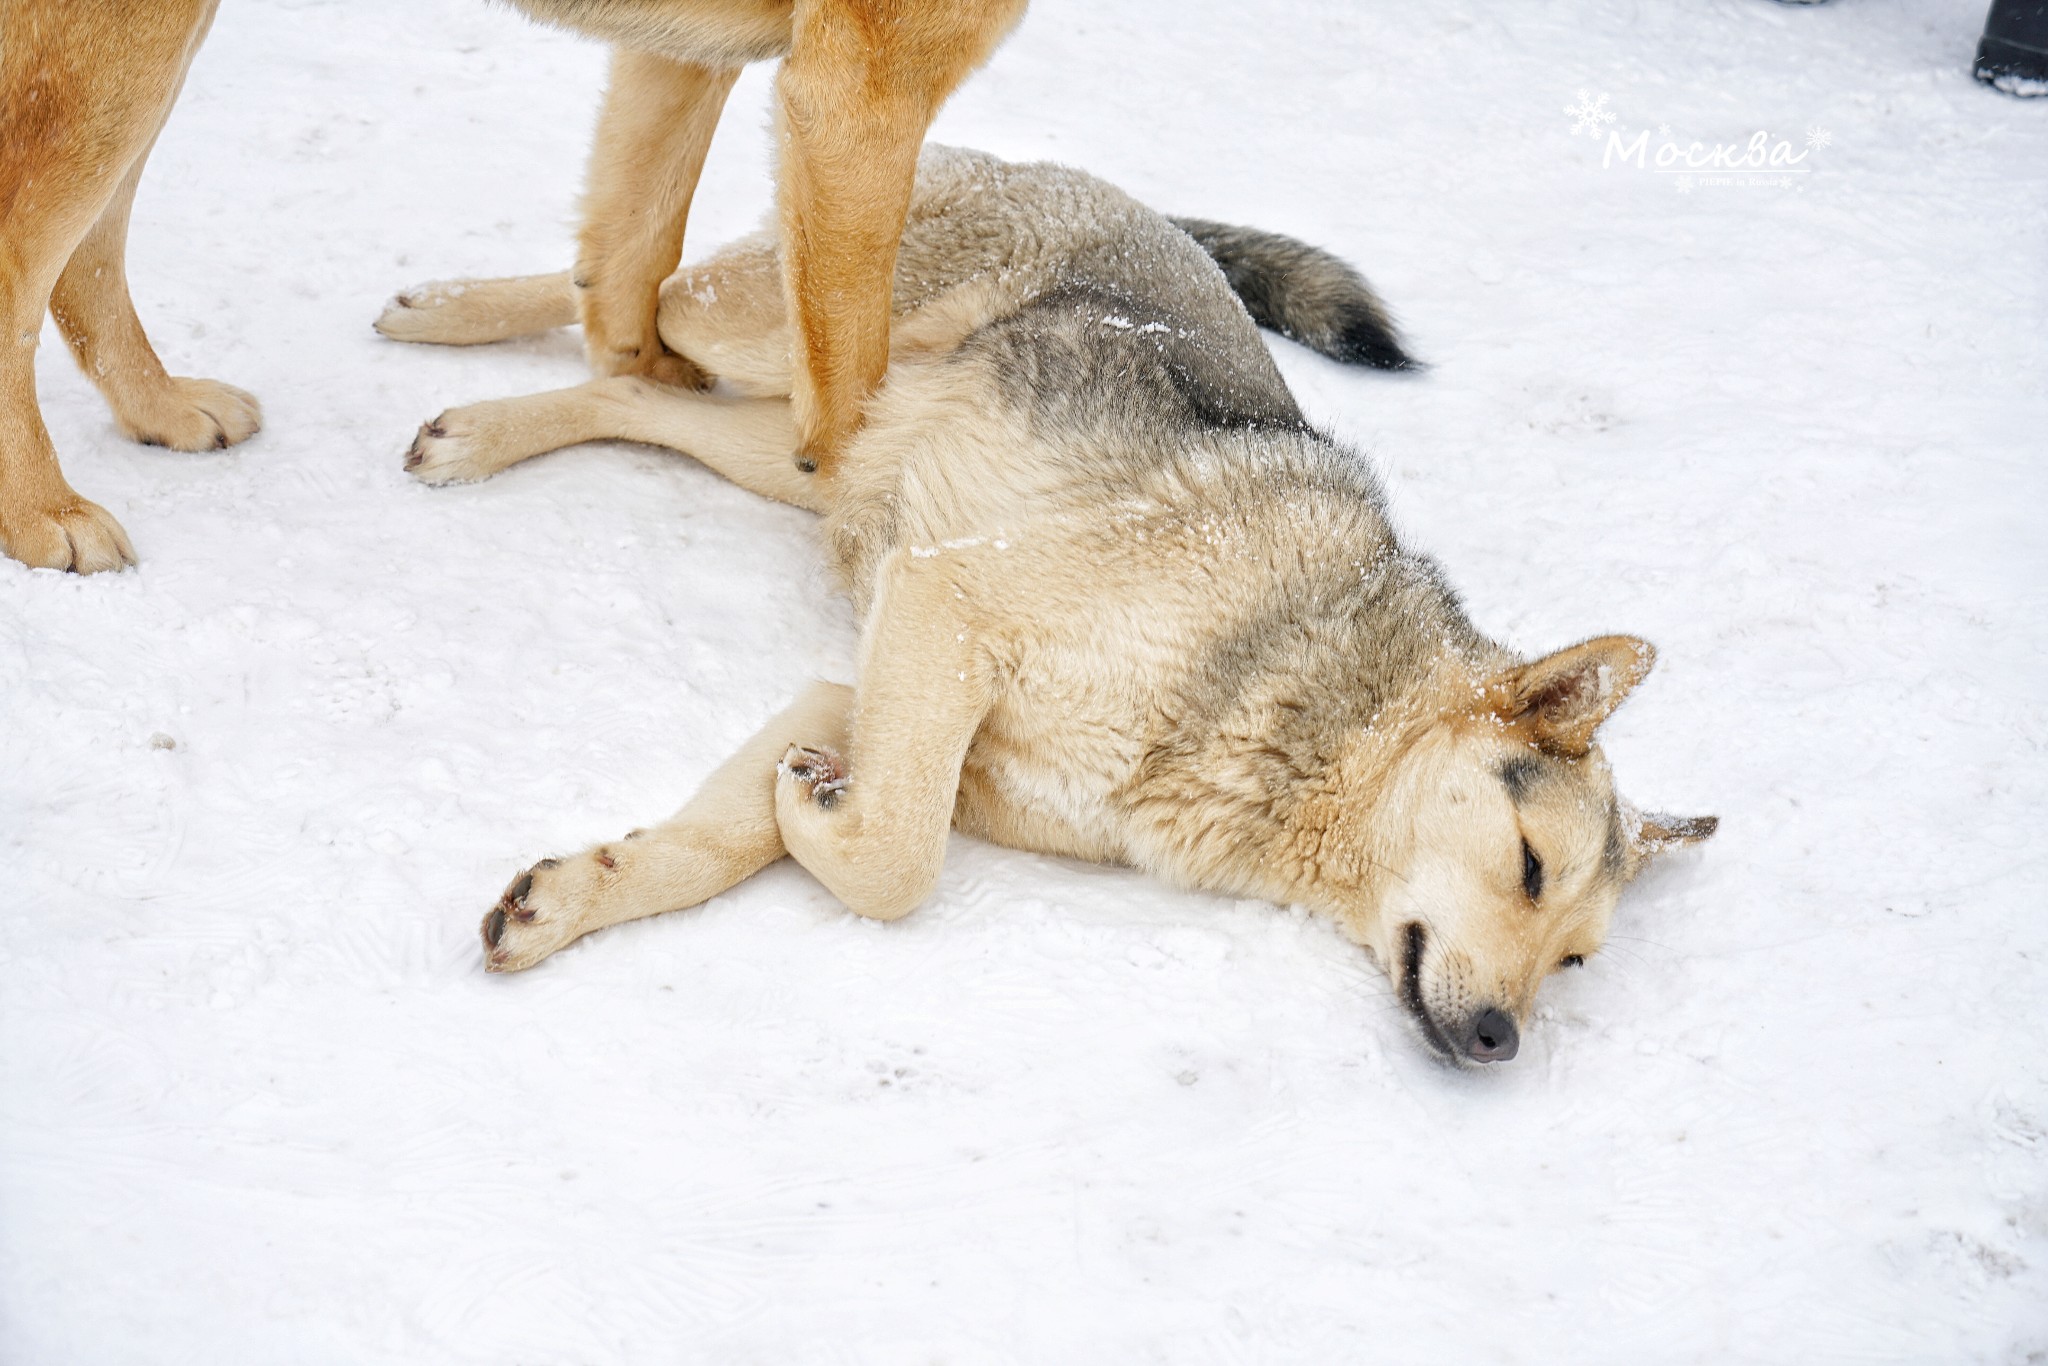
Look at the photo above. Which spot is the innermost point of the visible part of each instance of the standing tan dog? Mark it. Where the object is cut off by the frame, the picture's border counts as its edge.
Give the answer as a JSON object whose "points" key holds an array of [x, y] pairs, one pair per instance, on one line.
{"points": [[1118, 601], [85, 86]]}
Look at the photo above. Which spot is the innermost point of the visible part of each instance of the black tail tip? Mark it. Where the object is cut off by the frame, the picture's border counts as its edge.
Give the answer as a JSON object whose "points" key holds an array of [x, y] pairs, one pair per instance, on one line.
{"points": [[1369, 340]]}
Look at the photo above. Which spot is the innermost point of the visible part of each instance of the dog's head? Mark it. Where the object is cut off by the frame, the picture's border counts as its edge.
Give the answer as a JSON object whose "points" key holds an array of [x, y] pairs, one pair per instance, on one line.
{"points": [[1502, 847]]}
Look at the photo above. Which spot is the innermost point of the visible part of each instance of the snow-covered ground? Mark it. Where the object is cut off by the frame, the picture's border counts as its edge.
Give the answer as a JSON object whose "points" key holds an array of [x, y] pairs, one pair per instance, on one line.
{"points": [[259, 1102]]}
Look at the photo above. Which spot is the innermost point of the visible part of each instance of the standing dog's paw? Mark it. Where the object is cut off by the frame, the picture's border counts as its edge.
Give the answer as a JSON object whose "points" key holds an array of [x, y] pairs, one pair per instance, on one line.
{"points": [[77, 535], [815, 775], [194, 415], [547, 907]]}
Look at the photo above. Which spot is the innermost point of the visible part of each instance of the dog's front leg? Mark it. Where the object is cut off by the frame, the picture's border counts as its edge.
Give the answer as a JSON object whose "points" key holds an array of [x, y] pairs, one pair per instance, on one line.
{"points": [[651, 141], [859, 88], [96, 314], [726, 833], [870, 821], [83, 91]]}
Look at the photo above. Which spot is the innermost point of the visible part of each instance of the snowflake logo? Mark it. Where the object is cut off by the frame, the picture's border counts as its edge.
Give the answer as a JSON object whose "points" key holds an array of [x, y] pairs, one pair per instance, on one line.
{"points": [[1818, 137], [1589, 114], [1663, 130], [1685, 184]]}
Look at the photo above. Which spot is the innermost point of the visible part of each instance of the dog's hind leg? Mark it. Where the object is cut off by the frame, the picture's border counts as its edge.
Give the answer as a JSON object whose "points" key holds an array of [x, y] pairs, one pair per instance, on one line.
{"points": [[473, 312], [748, 440], [870, 821], [652, 137], [726, 833]]}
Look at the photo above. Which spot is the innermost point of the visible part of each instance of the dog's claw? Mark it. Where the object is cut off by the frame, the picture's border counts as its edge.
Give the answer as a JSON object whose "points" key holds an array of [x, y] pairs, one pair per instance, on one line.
{"points": [[416, 453], [508, 945], [821, 772]]}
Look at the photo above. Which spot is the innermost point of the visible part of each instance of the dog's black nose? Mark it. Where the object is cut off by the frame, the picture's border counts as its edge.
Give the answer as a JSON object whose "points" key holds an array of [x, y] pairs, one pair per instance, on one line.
{"points": [[1492, 1038]]}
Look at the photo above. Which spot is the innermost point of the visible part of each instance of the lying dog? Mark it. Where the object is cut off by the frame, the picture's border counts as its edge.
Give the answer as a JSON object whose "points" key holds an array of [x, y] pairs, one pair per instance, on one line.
{"points": [[1119, 601], [86, 85]]}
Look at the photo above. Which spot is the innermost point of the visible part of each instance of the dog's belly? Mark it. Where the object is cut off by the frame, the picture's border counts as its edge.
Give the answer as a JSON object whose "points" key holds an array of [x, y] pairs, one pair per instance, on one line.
{"points": [[722, 33], [1046, 779]]}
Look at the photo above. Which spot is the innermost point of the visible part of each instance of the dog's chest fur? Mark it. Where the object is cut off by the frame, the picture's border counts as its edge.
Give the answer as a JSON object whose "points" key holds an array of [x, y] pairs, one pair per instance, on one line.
{"points": [[710, 32]]}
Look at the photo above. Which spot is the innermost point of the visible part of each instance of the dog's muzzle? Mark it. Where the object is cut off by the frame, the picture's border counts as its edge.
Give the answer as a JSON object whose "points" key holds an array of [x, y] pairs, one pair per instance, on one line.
{"points": [[1488, 1036]]}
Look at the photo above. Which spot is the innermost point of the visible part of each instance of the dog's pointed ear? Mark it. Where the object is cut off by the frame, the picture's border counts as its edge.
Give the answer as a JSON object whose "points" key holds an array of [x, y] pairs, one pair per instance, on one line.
{"points": [[1650, 833], [1655, 832], [1561, 699]]}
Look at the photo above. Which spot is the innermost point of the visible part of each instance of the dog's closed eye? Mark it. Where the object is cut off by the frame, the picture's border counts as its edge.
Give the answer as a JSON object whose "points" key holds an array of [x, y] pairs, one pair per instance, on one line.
{"points": [[1572, 960], [1532, 873]]}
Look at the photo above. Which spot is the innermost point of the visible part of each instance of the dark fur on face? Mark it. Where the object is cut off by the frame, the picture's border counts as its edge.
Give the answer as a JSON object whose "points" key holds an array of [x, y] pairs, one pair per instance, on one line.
{"points": [[1414, 940]]}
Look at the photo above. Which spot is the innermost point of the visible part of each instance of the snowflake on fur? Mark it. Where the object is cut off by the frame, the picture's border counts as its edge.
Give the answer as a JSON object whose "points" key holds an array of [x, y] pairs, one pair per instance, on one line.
{"points": [[1589, 114], [1818, 137]]}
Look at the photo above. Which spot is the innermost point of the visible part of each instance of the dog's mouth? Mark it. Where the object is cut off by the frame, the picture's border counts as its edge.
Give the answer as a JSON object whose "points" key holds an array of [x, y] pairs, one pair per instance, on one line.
{"points": [[1414, 941]]}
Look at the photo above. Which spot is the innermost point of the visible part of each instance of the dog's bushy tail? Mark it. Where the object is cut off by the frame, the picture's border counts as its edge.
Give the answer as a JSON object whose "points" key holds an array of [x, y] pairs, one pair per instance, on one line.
{"points": [[1303, 293]]}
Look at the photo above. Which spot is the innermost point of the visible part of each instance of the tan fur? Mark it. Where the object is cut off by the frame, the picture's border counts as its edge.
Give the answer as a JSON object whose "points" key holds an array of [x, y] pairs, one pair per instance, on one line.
{"points": [[84, 90], [860, 83], [86, 85], [1052, 642]]}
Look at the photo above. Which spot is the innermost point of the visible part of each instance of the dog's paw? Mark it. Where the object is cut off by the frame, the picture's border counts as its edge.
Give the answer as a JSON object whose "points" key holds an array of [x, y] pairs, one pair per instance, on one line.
{"points": [[463, 445], [441, 313], [547, 907], [814, 776], [77, 535], [405, 319], [646, 357], [678, 372], [194, 415], [473, 312]]}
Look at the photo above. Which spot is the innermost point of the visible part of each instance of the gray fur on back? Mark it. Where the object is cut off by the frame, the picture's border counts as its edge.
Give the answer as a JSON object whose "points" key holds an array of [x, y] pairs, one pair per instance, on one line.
{"points": [[1130, 359]]}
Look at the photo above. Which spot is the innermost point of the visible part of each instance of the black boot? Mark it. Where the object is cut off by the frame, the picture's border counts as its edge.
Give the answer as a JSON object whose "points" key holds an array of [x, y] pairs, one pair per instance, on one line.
{"points": [[2014, 54]]}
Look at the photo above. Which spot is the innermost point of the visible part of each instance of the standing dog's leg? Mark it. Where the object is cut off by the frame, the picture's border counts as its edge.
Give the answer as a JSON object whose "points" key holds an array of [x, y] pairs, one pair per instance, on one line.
{"points": [[858, 90], [97, 317], [43, 520], [872, 825], [727, 832], [83, 91], [651, 141]]}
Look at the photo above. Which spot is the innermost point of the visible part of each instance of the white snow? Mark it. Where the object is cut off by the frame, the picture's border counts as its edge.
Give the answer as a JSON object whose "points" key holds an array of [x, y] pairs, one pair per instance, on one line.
{"points": [[258, 1101]]}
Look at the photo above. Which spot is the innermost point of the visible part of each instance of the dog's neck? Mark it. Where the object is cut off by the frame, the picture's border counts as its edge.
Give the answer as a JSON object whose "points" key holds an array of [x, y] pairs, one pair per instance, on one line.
{"points": [[1277, 792]]}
